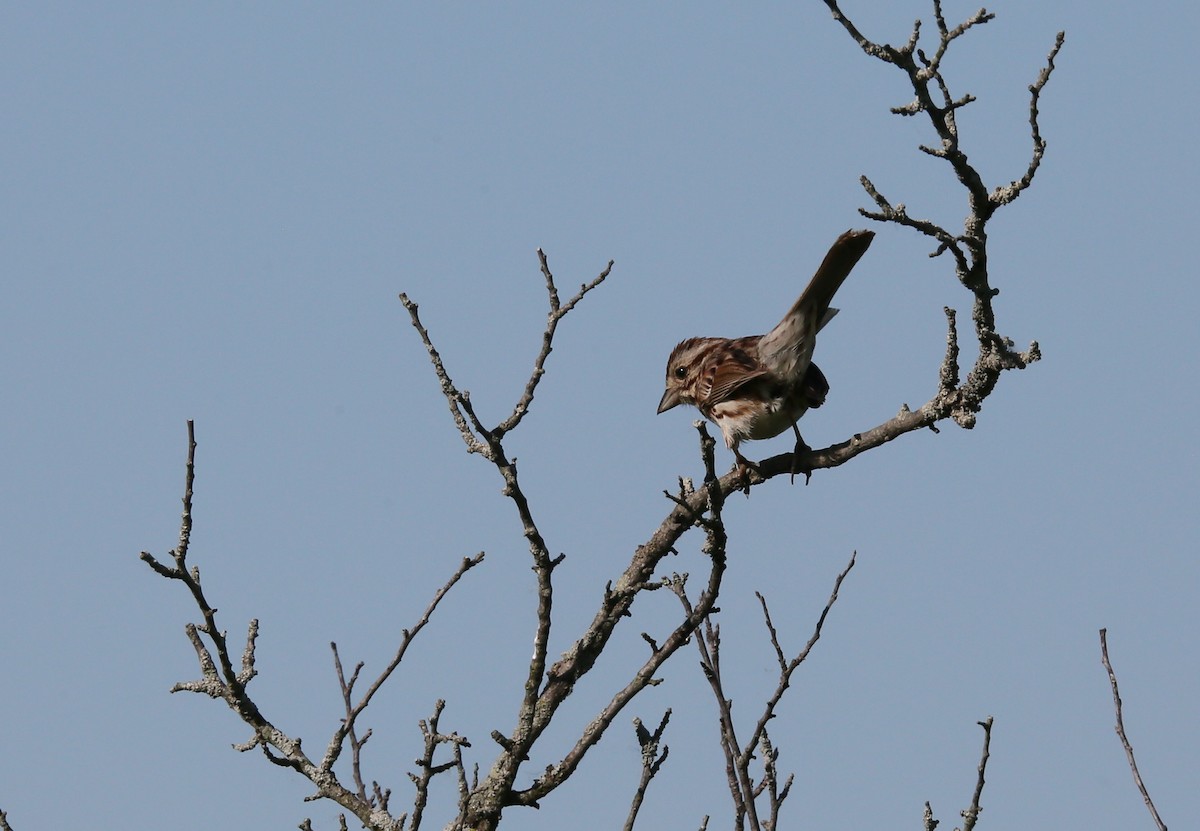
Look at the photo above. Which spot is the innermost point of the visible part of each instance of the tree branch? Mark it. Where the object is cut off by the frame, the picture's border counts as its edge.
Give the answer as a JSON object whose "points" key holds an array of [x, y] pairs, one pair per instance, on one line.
{"points": [[971, 815], [219, 679], [557, 312], [652, 760], [1004, 195], [743, 789], [433, 739], [1137, 777], [563, 676], [488, 442], [786, 669], [545, 686], [954, 399], [469, 425]]}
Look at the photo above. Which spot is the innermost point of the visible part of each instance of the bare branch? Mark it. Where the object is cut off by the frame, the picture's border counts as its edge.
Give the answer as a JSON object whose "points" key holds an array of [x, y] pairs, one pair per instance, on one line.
{"points": [[743, 789], [561, 680], [899, 214], [346, 728], [930, 823], [971, 815], [542, 698], [708, 643], [428, 770], [948, 374], [1004, 195], [954, 399], [179, 554], [652, 760], [1137, 777], [219, 679], [788, 668], [356, 743], [881, 51], [557, 312], [491, 447], [460, 402]]}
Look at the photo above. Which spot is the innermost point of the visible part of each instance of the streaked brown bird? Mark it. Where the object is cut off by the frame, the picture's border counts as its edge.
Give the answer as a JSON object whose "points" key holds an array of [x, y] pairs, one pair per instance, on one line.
{"points": [[757, 386]]}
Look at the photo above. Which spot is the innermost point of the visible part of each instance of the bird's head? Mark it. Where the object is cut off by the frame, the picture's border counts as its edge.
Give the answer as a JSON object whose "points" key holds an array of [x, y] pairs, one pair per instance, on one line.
{"points": [[683, 370]]}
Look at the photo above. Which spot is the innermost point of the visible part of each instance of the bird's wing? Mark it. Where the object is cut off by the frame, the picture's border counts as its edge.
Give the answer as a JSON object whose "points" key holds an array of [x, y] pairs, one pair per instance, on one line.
{"points": [[730, 371]]}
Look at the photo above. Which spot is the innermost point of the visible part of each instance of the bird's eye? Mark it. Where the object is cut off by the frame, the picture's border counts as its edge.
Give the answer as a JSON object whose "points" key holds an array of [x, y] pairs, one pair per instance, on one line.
{"points": [[680, 372]]}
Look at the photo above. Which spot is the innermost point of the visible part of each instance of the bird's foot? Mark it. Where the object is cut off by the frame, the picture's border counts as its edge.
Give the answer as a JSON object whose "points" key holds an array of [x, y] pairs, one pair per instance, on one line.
{"points": [[801, 449], [741, 470]]}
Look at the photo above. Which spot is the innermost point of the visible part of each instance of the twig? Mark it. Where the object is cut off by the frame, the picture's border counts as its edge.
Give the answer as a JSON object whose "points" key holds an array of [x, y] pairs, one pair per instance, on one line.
{"points": [[488, 442], [743, 789], [346, 728], [652, 760], [1137, 777], [971, 815], [930, 824], [786, 669], [545, 689], [428, 770], [557, 312], [356, 744], [1004, 195], [460, 402], [220, 679]]}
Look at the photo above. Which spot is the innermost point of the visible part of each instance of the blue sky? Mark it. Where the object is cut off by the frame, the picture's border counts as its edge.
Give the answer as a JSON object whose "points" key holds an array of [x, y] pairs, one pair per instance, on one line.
{"points": [[210, 211]]}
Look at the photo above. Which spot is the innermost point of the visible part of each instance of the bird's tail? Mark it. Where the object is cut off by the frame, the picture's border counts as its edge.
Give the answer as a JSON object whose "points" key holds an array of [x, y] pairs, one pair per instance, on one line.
{"points": [[843, 255]]}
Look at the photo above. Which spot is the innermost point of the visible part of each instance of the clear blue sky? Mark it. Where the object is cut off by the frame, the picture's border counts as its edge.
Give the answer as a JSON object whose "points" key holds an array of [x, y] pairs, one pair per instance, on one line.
{"points": [[210, 209]]}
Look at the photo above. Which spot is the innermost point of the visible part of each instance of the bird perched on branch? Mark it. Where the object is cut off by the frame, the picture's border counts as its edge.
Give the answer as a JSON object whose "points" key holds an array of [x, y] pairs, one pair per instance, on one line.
{"points": [[757, 386]]}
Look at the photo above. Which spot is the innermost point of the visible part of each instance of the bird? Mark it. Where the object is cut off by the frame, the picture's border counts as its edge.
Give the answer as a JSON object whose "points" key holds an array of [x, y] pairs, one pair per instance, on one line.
{"points": [[757, 386]]}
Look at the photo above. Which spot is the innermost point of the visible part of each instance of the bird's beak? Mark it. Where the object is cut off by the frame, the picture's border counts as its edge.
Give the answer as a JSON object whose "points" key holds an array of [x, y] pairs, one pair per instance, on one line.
{"points": [[670, 399]]}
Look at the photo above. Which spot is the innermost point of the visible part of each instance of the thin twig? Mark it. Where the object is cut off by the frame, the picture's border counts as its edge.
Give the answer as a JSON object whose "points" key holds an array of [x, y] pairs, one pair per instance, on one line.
{"points": [[652, 760], [557, 312], [708, 643], [971, 815], [459, 402], [356, 744], [787, 669], [433, 739], [1004, 195], [743, 789], [1137, 777], [407, 636], [220, 679]]}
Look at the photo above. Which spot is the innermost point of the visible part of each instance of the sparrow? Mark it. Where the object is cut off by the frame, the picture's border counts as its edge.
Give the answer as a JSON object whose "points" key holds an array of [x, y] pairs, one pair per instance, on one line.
{"points": [[755, 387]]}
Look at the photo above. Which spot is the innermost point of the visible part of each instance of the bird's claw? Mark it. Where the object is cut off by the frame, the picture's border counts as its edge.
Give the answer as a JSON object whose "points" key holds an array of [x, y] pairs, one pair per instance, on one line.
{"points": [[741, 470], [801, 448]]}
